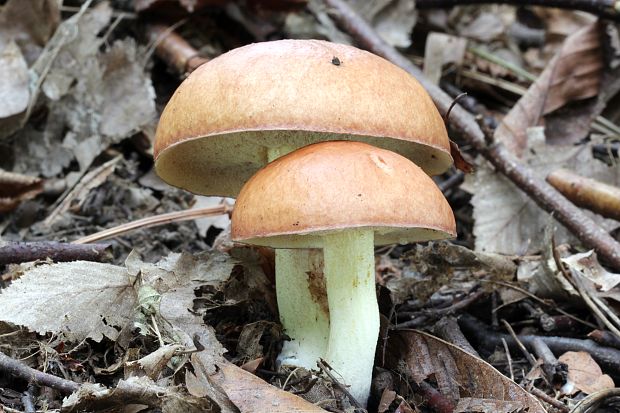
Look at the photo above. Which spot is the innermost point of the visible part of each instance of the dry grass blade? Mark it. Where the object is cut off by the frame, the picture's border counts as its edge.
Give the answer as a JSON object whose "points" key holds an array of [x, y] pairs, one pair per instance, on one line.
{"points": [[573, 74], [89, 181], [153, 221]]}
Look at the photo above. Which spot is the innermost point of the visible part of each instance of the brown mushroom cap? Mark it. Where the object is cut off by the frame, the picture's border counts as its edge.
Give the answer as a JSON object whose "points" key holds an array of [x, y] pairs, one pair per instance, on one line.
{"points": [[333, 186], [214, 133]]}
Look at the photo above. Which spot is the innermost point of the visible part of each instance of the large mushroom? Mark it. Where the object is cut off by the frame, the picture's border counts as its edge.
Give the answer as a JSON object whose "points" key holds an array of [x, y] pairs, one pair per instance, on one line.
{"points": [[343, 197], [249, 106]]}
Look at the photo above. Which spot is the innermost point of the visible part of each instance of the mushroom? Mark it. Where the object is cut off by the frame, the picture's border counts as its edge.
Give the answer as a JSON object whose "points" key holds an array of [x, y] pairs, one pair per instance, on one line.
{"points": [[343, 197], [247, 107]]}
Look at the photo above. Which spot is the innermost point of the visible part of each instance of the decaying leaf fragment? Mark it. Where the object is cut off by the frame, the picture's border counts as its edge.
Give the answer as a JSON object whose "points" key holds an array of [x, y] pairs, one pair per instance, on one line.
{"points": [[14, 81], [15, 188], [469, 382], [77, 299], [574, 73], [509, 221], [584, 374], [588, 266]]}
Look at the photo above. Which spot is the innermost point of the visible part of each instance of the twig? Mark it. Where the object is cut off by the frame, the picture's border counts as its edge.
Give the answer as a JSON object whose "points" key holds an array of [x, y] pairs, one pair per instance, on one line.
{"points": [[435, 313], [509, 358], [448, 329], [548, 198], [605, 338], [519, 344], [156, 220], [17, 252], [555, 371], [322, 365], [489, 339], [550, 400], [603, 8], [540, 300], [20, 370], [587, 193], [435, 400], [173, 49], [28, 399], [591, 403]]}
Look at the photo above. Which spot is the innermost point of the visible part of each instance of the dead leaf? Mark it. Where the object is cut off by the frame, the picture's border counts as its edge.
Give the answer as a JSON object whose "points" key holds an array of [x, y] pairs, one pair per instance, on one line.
{"points": [[584, 374], [16, 188], [392, 19], [588, 266], [251, 394], [14, 81], [573, 74], [507, 220], [442, 49], [486, 27], [30, 27], [77, 299], [136, 390], [387, 397], [466, 380]]}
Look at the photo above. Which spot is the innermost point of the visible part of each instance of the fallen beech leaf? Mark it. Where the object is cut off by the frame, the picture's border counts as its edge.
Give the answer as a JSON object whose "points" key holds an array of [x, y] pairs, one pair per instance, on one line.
{"points": [[507, 221], [441, 49], [251, 394], [584, 374], [15, 188], [573, 74], [469, 382], [78, 299], [14, 83]]}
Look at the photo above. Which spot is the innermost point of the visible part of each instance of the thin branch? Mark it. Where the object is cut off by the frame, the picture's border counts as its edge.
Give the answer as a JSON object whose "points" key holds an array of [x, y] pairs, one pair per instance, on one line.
{"points": [[547, 197], [18, 252], [603, 8], [18, 369], [488, 339]]}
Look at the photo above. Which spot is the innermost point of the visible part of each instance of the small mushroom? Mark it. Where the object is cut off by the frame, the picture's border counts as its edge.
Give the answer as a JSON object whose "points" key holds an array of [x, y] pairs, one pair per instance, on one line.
{"points": [[247, 107], [343, 197]]}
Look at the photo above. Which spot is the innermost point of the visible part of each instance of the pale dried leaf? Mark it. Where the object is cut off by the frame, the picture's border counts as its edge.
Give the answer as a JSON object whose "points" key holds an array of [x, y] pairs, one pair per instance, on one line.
{"points": [[30, 27], [14, 81], [507, 220], [588, 266], [442, 49], [486, 27], [251, 394], [392, 19], [584, 374], [76, 299], [461, 377], [15, 188], [573, 74], [136, 390], [218, 221]]}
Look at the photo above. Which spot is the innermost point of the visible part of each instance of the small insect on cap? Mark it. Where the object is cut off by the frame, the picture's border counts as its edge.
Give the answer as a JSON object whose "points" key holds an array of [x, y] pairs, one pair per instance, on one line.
{"points": [[219, 125]]}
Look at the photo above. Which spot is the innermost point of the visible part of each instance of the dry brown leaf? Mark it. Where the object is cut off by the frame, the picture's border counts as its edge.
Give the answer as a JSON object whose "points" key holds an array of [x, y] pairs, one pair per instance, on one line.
{"points": [[584, 374], [573, 74], [251, 394], [15, 188], [469, 382]]}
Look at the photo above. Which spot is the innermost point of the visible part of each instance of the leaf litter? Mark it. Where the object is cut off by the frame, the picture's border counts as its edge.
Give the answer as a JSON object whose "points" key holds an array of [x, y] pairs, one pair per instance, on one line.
{"points": [[84, 101]]}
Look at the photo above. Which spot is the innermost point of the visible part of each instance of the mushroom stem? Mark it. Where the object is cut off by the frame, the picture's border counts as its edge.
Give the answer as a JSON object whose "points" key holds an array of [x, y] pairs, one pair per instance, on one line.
{"points": [[302, 301], [349, 267]]}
